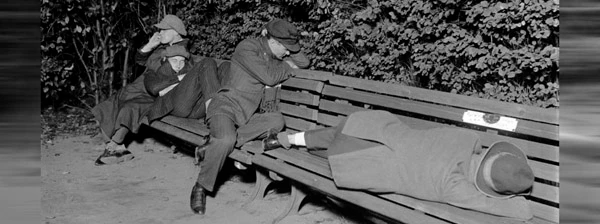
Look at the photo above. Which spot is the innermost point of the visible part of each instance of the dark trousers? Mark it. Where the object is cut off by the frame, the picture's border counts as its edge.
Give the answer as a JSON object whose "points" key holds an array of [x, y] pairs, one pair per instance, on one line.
{"points": [[223, 138], [323, 138], [187, 99]]}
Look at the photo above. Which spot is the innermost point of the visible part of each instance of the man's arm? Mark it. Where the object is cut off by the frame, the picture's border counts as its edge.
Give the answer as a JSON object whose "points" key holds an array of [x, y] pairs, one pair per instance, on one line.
{"points": [[462, 193], [154, 82], [151, 60], [145, 57], [270, 72], [299, 59]]}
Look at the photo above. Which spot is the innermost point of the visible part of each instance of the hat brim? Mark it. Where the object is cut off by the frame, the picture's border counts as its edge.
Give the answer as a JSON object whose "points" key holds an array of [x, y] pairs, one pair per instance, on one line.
{"points": [[292, 47], [162, 26], [480, 183]]}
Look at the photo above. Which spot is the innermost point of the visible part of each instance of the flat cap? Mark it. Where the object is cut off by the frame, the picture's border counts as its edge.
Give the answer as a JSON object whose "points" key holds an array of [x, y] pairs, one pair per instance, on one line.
{"points": [[176, 50], [285, 33], [172, 22]]}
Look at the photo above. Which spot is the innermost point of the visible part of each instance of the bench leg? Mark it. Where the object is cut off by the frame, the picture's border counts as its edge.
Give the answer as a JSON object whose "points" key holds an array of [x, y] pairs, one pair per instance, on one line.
{"points": [[262, 182], [293, 205]]}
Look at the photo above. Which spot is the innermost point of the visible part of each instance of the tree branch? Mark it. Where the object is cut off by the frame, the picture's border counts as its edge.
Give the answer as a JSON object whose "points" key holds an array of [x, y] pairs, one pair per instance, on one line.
{"points": [[80, 55]]}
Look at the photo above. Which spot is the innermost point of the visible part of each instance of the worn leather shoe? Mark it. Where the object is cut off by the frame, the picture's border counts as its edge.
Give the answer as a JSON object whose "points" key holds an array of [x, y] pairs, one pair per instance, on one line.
{"points": [[271, 142], [112, 156], [198, 199]]}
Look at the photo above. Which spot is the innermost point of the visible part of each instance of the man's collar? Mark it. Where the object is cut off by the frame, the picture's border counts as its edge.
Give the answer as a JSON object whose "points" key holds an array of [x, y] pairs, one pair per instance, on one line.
{"points": [[264, 43]]}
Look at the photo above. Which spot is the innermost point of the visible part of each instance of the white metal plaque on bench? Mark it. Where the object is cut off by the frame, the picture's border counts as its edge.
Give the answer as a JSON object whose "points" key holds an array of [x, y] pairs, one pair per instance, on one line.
{"points": [[490, 120]]}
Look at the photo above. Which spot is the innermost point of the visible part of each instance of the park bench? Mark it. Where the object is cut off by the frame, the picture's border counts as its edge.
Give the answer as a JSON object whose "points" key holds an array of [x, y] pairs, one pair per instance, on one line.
{"points": [[316, 99]]}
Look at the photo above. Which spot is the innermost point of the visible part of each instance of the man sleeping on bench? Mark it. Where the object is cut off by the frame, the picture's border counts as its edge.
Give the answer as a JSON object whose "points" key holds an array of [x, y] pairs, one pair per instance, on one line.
{"points": [[376, 152]]}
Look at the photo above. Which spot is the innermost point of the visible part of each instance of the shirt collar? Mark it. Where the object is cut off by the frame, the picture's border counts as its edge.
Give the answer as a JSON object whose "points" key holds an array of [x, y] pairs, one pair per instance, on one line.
{"points": [[264, 43]]}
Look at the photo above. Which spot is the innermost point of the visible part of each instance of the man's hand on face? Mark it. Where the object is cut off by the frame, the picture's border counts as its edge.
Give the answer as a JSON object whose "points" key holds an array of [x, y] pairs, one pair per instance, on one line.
{"points": [[292, 64], [152, 43]]}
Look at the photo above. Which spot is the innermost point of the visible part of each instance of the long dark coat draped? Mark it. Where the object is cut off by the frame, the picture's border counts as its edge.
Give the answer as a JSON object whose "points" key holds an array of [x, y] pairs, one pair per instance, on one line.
{"points": [[436, 164], [124, 108], [136, 100]]}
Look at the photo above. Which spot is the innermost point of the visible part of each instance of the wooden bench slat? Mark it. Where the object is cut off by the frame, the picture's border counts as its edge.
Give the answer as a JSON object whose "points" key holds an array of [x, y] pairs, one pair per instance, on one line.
{"points": [[177, 132], [299, 97], [313, 74], [303, 159], [489, 106], [546, 171], [533, 149], [365, 200], [306, 84], [542, 130], [450, 212], [328, 120], [546, 192], [545, 212], [320, 166], [302, 112], [298, 124], [191, 125]]}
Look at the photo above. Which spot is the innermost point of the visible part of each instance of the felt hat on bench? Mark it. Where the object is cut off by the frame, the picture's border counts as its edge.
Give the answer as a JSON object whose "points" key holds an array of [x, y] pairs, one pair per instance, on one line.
{"points": [[504, 171]]}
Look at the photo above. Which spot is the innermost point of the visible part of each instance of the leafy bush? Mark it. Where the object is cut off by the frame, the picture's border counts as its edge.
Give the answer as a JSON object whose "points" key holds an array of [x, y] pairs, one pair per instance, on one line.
{"points": [[490, 49], [496, 50], [504, 51]]}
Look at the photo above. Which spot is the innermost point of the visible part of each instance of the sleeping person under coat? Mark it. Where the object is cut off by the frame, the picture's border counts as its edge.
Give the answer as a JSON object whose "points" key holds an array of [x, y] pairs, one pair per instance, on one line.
{"points": [[376, 152]]}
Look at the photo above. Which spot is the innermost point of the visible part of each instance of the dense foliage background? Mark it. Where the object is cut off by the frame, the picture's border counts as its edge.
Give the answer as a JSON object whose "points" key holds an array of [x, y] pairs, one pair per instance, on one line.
{"points": [[504, 50]]}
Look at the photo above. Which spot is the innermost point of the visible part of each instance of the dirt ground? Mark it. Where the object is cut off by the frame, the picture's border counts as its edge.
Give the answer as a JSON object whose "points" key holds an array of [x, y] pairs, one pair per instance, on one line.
{"points": [[154, 187]]}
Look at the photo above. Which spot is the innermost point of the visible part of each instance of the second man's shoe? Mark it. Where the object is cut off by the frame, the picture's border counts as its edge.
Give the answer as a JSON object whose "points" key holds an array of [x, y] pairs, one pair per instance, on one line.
{"points": [[271, 141], [113, 156], [198, 199]]}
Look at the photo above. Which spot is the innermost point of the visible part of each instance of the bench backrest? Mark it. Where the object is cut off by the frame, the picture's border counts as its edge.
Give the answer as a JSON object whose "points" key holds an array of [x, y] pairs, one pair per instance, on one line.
{"points": [[318, 99]]}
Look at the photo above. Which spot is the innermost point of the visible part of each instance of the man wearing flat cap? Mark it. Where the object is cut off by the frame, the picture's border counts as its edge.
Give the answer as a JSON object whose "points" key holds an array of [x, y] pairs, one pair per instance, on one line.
{"points": [[171, 31], [231, 116], [377, 152], [189, 85]]}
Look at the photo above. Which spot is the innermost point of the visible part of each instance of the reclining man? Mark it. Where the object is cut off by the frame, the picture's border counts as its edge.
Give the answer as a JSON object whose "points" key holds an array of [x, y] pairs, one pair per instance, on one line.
{"points": [[376, 152]]}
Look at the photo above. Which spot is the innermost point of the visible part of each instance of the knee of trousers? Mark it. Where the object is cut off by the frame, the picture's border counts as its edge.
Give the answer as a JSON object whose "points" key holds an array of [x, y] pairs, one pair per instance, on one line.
{"points": [[226, 142], [276, 122]]}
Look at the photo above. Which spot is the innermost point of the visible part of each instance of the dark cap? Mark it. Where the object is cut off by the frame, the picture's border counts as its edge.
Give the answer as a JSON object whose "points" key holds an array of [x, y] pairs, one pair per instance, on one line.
{"points": [[172, 22], [176, 50], [285, 33]]}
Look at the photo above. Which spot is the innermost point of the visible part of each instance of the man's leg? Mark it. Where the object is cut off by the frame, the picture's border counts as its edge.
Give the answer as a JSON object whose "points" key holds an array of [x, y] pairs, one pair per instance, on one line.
{"points": [[323, 138], [114, 149], [318, 139], [199, 83], [119, 135], [259, 125], [220, 145]]}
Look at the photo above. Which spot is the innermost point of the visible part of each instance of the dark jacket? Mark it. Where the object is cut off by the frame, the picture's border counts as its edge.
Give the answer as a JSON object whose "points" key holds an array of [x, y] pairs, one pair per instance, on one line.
{"points": [[253, 66], [156, 81], [152, 59], [434, 164]]}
